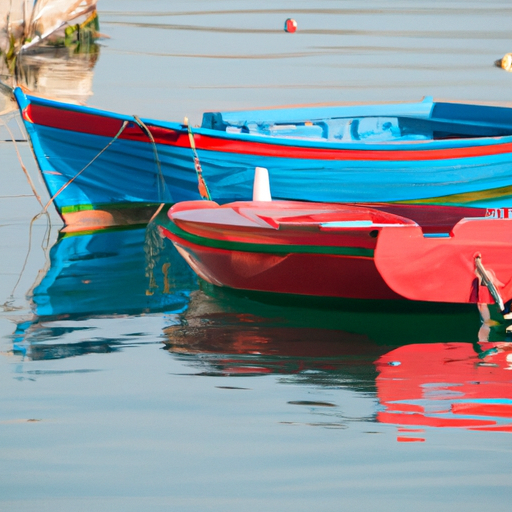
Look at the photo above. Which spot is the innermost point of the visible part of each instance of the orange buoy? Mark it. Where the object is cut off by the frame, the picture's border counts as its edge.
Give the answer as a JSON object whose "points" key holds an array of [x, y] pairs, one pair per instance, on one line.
{"points": [[290, 25]]}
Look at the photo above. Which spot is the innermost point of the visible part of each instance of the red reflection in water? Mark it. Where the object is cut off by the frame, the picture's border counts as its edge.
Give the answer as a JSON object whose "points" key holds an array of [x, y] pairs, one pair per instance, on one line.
{"points": [[447, 385]]}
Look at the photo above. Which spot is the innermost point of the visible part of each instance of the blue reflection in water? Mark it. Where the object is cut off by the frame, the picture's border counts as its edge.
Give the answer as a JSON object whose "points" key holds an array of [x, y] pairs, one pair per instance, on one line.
{"points": [[104, 274]]}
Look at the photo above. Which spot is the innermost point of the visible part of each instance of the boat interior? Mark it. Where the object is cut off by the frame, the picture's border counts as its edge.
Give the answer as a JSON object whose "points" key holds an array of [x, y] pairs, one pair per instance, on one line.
{"points": [[426, 120]]}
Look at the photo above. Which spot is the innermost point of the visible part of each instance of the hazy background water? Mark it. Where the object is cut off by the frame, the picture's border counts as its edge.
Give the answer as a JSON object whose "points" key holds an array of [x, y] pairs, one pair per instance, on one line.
{"points": [[125, 384]]}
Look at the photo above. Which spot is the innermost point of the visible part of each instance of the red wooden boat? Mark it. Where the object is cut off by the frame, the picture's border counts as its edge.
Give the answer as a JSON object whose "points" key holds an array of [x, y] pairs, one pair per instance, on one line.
{"points": [[378, 251]]}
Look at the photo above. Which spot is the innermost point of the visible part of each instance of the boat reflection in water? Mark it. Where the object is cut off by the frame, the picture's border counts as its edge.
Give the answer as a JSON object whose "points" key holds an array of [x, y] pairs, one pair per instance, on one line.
{"points": [[425, 366], [60, 73], [446, 385], [53, 72], [94, 278], [60, 65], [417, 367]]}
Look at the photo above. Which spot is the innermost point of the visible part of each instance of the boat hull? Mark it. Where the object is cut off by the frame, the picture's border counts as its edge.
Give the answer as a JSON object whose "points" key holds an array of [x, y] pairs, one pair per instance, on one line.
{"points": [[97, 160], [380, 252], [320, 275]]}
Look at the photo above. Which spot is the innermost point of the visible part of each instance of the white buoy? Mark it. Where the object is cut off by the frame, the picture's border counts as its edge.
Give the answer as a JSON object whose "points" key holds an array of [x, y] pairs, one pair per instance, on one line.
{"points": [[505, 62], [261, 187]]}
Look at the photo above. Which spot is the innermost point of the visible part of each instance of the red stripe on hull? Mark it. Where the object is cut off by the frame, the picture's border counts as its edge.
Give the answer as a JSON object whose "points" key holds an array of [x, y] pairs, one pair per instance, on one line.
{"points": [[313, 153], [321, 275], [93, 124], [103, 126]]}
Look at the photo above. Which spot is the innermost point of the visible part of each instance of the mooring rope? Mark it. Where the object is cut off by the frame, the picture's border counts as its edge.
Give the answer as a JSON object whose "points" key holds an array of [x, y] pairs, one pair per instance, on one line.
{"points": [[52, 199], [29, 179], [30, 249], [146, 130], [48, 224]]}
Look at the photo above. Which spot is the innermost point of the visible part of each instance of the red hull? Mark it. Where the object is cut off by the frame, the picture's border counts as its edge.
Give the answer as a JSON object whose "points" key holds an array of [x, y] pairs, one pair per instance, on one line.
{"points": [[322, 275], [416, 252]]}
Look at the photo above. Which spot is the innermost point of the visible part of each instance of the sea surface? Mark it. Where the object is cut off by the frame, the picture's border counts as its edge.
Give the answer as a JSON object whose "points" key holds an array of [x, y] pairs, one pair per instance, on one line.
{"points": [[126, 384]]}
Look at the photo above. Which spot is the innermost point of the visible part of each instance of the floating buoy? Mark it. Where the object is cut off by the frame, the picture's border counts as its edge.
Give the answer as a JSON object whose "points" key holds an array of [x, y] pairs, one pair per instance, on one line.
{"points": [[505, 62], [290, 25]]}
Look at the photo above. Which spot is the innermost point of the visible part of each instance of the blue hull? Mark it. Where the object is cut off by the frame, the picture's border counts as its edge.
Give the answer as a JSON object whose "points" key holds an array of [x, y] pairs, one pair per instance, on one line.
{"points": [[91, 161]]}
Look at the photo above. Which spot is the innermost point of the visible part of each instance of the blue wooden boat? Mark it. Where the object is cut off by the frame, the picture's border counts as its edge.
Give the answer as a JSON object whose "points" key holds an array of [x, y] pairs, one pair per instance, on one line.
{"points": [[99, 165]]}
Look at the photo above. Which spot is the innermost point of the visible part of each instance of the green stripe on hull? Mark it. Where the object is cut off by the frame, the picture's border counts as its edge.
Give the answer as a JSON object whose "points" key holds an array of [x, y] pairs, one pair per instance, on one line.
{"points": [[107, 207], [264, 248]]}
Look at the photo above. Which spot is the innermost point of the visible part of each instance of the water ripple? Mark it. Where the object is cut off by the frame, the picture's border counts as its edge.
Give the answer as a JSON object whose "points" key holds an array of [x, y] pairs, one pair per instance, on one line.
{"points": [[428, 11], [421, 34]]}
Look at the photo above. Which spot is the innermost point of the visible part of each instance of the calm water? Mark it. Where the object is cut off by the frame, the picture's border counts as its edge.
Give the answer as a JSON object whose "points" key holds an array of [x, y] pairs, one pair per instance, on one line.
{"points": [[128, 385]]}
